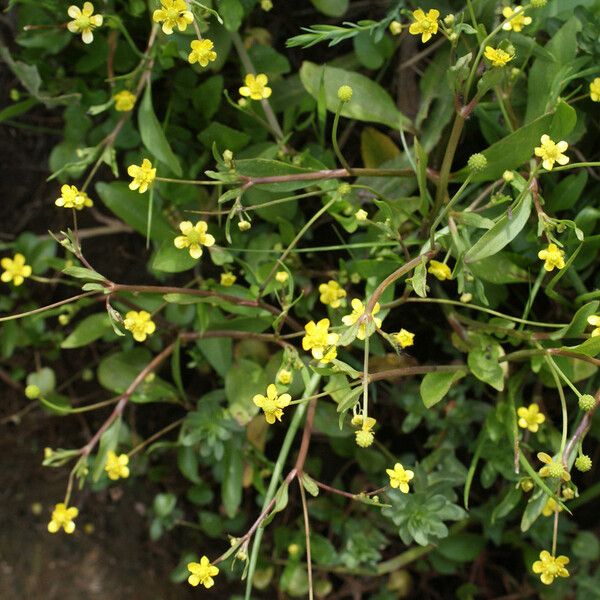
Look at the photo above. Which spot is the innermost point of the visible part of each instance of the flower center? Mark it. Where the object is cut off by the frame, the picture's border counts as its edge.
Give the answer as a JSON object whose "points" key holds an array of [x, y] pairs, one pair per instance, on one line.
{"points": [[270, 405], [83, 22], [172, 14]]}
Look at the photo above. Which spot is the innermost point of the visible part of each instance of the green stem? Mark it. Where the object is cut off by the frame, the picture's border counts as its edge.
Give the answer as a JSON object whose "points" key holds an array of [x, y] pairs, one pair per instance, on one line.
{"points": [[447, 208], [563, 404], [334, 140], [274, 483]]}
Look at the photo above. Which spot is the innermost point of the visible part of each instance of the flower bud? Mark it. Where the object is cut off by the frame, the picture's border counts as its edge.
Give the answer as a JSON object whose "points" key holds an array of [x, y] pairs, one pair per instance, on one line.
{"points": [[449, 20], [538, 3], [361, 215], [526, 484], [345, 93], [508, 176], [395, 28], [477, 162], [284, 377], [244, 225], [587, 402], [344, 189]]}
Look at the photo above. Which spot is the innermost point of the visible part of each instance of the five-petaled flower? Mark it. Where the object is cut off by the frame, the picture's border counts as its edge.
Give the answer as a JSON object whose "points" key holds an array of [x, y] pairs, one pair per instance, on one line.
{"points": [[553, 468], [516, 18], [440, 270], [194, 237], [116, 465], [143, 176], [594, 321], [549, 567], [71, 197], [255, 87], [358, 310], [553, 257], [140, 324], [319, 341], [228, 279], [595, 90], [497, 56], [424, 25], [202, 573], [331, 293], [124, 101], [405, 338], [202, 52], [173, 13], [84, 21], [272, 404], [62, 517], [551, 152], [399, 477], [530, 417], [15, 269]]}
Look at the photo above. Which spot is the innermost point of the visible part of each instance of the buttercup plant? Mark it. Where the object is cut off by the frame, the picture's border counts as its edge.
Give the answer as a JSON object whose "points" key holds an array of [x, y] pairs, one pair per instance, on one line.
{"points": [[377, 254]]}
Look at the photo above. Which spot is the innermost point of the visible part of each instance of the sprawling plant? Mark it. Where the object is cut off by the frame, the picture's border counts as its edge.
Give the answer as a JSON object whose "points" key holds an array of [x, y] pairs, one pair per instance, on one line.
{"points": [[367, 288]]}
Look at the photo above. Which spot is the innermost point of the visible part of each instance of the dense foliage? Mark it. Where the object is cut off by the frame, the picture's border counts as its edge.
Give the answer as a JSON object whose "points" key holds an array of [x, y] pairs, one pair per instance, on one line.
{"points": [[359, 310]]}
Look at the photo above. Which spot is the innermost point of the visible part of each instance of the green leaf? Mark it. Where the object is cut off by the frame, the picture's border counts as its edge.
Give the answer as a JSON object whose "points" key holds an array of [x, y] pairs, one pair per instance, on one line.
{"points": [[498, 269], [419, 279], [483, 362], [44, 378], [435, 386], [132, 208], [376, 147], [579, 322], [281, 501], [370, 102], [10, 112], [309, 485], [233, 468], [517, 148], [172, 260], [506, 228], [232, 13], [331, 8], [591, 347], [83, 273], [88, 330], [153, 135], [117, 371]]}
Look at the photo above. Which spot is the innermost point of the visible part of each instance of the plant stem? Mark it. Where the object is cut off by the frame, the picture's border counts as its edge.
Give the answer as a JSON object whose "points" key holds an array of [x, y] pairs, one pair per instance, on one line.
{"points": [[277, 470]]}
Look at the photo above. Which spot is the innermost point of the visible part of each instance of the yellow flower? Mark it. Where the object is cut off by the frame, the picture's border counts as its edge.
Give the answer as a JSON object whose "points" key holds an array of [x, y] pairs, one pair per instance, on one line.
{"points": [[553, 257], [358, 310], [425, 25], [15, 269], [228, 279], [405, 338], [202, 572], [282, 276], [62, 516], [256, 87], [331, 293], [194, 237], [140, 324], [71, 197], [116, 466], [143, 176], [550, 567], [440, 270], [361, 215], [530, 418], [595, 90], [553, 468], [284, 377], [399, 477], [550, 507], [202, 52], [594, 320], [84, 21], [272, 404], [498, 57], [319, 341], [551, 152], [172, 13], [124, 101], [517, 17]]}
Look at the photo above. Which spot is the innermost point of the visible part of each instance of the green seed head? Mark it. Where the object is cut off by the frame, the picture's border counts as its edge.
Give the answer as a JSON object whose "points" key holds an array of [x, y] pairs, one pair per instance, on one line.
{"points": [[583, 463], [587, 402], [477, 162], [345, 93]]}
